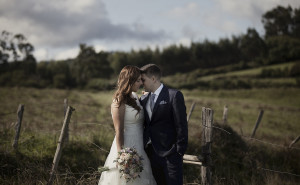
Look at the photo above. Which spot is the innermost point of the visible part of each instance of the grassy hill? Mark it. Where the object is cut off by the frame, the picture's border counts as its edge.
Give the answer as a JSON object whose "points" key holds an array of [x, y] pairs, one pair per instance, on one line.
{"points": [[249, 72], [227, 77], [236, 158]]}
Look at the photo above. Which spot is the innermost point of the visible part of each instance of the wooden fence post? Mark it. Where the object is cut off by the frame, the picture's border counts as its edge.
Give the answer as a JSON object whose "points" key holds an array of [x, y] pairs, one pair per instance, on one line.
{"points": [[18, 126], [65, 112], [207, 122], [261, 113], [60, 144], [225, 114], [191, 111], [295, 141]]}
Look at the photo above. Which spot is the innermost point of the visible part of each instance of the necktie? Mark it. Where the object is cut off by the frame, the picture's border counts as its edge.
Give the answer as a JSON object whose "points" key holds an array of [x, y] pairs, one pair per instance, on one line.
{"points": [[152, 101]]}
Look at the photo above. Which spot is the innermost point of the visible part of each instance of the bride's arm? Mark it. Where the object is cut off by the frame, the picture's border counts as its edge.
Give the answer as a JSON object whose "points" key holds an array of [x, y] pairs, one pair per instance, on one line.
{"points": [[118, 114]]}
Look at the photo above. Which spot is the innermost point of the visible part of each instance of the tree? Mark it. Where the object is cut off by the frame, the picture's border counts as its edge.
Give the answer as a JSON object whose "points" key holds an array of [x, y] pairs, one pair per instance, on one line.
{"points": [[15, 47], [282, 27], [296, 23], [229, 52], [252, 45], [283, 49], [141, 57], [167, 60], [89, 64], [281, 21], [117, 61]]}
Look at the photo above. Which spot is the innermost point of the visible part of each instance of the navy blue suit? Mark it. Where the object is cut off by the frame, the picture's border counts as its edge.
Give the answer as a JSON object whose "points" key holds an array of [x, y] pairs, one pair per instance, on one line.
{"points": [[168, 132]]}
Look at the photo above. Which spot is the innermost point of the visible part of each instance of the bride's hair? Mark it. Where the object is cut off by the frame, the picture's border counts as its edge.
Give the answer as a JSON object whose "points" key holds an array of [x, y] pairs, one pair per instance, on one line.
{"points": [[127, 77]]}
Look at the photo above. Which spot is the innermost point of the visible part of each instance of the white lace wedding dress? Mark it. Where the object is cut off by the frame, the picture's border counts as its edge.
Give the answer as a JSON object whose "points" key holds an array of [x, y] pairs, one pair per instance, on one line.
{"points": [[133, 137]]}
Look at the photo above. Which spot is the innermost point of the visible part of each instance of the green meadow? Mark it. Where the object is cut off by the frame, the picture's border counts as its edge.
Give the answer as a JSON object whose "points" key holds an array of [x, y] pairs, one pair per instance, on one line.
{"points": [[236, 158]]}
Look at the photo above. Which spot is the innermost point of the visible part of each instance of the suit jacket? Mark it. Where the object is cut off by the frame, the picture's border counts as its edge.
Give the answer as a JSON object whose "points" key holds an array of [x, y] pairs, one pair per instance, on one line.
{"points": [[167, 128]]}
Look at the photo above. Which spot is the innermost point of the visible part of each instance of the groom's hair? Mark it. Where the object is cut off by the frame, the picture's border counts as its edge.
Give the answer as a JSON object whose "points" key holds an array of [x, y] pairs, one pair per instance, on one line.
{"points": [[151, 70]]}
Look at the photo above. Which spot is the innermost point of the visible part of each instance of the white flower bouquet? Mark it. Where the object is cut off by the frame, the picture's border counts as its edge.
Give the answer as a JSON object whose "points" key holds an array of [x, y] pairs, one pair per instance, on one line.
{"points": [[129, 163]]}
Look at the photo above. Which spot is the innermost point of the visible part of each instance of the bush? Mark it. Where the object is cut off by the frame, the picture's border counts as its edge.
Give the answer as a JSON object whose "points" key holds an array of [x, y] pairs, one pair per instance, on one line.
{"points": [[31, 82], [5, 78], [298, 82], [242, 84], [230, 83], [100, 84], [59, 81], [282, 49], [295, 70]]}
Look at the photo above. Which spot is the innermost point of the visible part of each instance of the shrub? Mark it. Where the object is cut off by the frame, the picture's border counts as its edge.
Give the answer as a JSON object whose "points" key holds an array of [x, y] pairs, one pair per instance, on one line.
{"points": [[298, 82], [100, 84], [295, 70], [59, 81]]}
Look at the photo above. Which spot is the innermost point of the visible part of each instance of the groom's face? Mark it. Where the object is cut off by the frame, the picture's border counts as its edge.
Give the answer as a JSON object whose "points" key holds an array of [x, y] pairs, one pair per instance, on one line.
{"points": [[147, 82]]}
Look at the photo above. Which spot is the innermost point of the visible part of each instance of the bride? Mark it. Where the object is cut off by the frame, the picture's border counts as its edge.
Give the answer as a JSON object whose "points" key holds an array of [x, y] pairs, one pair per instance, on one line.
{"points": [[128, 119]]}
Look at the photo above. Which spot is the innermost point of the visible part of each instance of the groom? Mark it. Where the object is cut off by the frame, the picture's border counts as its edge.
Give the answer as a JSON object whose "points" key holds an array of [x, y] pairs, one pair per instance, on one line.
{"points": [[165, 128]]}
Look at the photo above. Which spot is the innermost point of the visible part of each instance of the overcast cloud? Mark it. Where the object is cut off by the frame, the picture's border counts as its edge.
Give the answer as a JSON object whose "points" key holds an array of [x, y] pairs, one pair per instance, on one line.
{"points": [[57, 27]]}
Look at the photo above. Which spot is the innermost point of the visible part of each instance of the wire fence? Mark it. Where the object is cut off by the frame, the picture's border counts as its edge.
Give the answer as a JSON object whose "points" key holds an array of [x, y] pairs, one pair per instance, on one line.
{"points": [[261, 141], [110, 126], [254, 139], [8, 113], [53, 114], [268, 143], [265, 169], [77, 122]]}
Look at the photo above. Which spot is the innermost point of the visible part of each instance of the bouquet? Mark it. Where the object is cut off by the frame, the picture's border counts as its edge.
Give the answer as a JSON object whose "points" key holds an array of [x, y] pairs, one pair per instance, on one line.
{"points": [[129, 163]]}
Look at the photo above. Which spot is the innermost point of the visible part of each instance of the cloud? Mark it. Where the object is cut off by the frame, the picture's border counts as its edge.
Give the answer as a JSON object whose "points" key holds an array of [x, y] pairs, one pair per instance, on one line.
{"points": [[225, 18], [67, 23], [187, 11], [202, 20], [68, 53], [99, 48], [40, 54], [62, 24], [189, 32], [251, 9]]}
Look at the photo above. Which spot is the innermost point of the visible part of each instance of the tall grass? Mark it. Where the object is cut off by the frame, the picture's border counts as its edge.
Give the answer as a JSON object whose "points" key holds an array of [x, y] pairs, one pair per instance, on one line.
{"points": [[235, 159], [281, 110]]}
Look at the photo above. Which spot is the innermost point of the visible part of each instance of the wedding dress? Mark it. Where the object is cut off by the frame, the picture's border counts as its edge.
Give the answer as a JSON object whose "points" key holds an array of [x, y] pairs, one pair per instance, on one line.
{"points": [[133, 137]]}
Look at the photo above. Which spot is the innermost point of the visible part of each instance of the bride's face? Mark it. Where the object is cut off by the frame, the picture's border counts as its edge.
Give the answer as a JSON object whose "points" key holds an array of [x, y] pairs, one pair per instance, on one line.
{"points": [[136, 86]]}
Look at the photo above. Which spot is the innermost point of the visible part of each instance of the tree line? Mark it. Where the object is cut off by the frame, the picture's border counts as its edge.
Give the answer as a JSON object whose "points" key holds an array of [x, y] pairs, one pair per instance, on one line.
{"points": [[91, 69]]}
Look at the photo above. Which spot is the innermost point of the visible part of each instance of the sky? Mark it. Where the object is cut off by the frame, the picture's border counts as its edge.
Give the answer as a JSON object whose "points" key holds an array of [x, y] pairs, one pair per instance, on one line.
{"points": [[56, 28]]}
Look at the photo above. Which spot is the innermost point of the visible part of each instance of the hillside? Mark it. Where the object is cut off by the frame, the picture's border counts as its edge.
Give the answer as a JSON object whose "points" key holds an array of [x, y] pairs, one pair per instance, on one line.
{"points": [[235, 77], [236, 158]]}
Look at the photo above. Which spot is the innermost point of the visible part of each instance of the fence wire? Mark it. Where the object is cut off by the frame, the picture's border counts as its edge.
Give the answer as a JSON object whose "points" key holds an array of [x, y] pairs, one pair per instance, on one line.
{"points": [[264, 142], [106, 151], [265, 169], [8, 113], [249, 138], [273, 144]]}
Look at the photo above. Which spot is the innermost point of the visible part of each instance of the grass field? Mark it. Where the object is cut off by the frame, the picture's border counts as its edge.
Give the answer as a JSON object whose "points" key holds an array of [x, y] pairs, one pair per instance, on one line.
{"points": [[223, 78], [91, 133], [281, 110], [248, 72]]}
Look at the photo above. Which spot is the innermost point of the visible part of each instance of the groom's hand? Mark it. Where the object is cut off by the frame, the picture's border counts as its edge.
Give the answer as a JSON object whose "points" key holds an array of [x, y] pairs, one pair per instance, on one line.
{"points": [[145, 92]]}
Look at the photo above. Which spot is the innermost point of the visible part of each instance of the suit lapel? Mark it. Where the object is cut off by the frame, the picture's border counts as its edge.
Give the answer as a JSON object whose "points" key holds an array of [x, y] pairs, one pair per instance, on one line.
{"points": [[160, 97]]}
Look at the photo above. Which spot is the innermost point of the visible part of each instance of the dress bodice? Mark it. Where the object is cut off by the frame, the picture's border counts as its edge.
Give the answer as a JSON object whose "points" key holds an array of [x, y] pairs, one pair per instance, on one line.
{"points": [[133, 120]]}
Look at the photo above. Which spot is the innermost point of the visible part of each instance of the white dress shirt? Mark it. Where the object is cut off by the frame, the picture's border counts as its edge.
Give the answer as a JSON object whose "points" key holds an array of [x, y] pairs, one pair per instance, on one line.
{"points": [[157, 92]]}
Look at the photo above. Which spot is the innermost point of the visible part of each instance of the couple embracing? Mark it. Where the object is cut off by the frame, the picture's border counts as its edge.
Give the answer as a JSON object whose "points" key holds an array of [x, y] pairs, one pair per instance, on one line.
{"points": [[154, 124]]}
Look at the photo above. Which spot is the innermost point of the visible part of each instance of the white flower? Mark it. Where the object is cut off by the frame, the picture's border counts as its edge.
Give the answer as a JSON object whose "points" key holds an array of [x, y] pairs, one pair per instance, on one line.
{"points": [[129, 163]]}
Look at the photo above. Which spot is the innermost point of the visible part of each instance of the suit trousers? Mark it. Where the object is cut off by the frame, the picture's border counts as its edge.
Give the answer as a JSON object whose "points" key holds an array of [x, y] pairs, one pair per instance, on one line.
{"points": [[166, 170]]}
